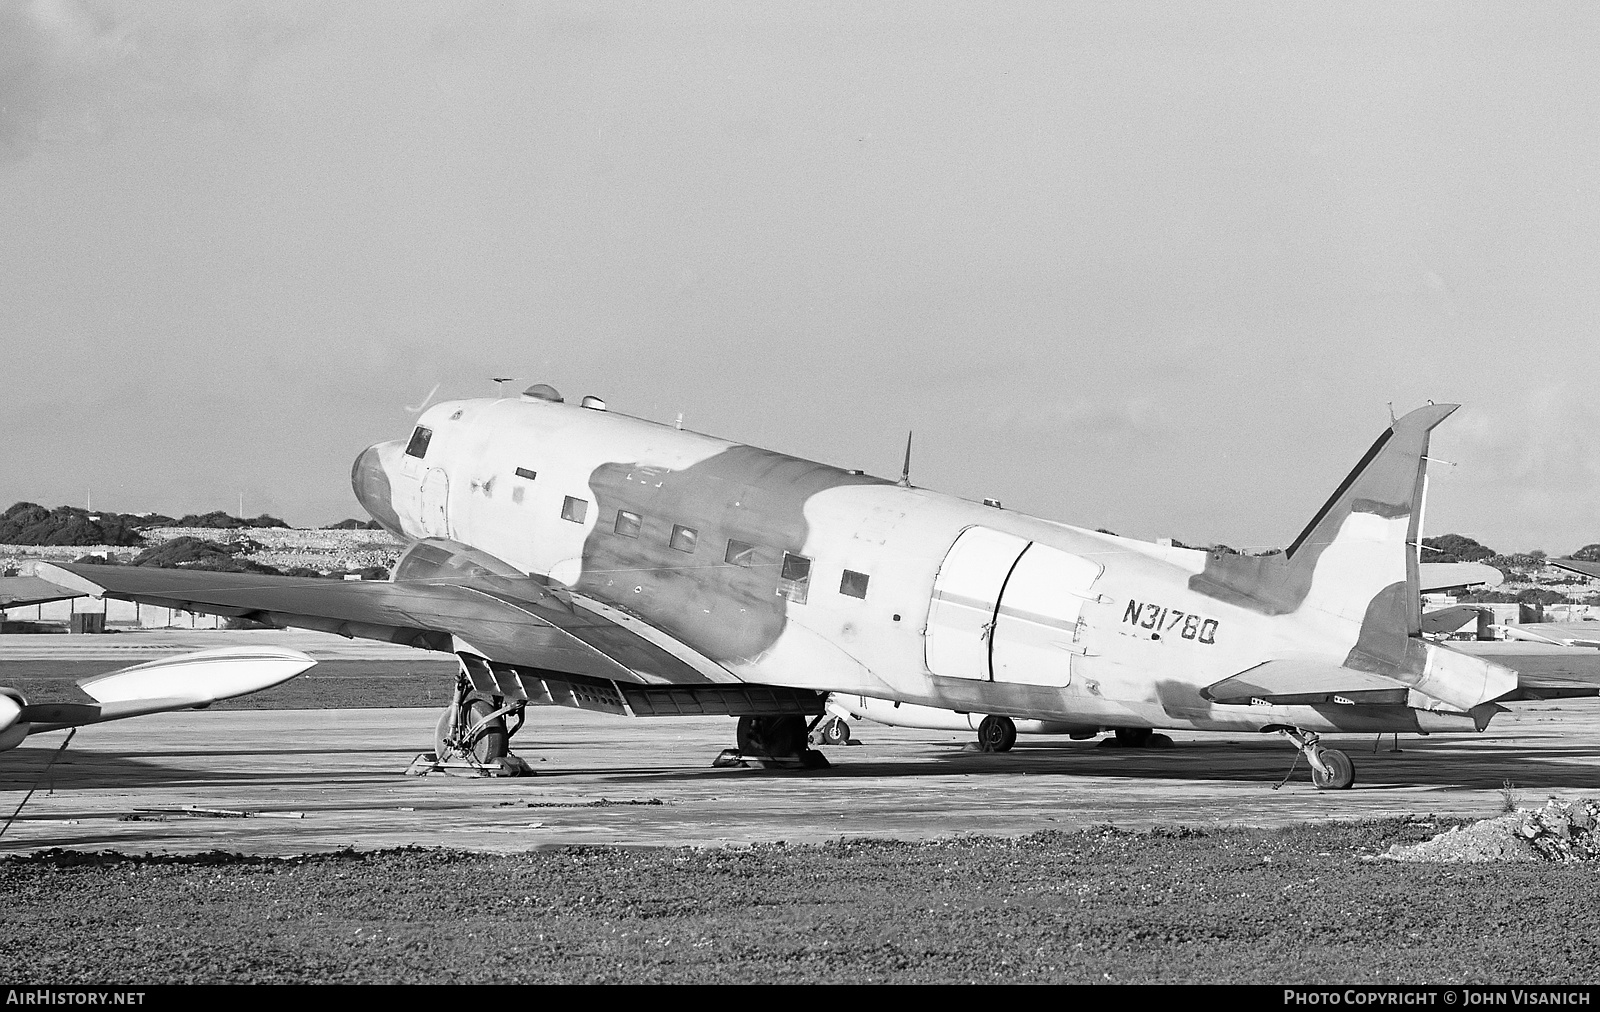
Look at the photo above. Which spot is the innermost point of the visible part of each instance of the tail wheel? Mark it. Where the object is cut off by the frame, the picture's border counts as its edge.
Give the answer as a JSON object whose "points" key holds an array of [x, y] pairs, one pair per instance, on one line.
{"points": [[1341, 772], [996, 734]]}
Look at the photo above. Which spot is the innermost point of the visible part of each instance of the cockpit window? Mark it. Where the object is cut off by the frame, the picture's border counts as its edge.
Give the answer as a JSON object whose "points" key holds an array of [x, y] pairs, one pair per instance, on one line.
{"points": [[418, 447]]}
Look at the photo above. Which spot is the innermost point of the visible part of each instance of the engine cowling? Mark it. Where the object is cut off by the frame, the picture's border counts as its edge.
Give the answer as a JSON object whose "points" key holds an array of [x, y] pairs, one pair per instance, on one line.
{"points": [[12, 730]]}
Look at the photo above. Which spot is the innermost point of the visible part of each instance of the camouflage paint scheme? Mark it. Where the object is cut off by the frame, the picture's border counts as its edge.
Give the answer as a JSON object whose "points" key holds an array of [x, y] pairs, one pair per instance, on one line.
{"points": [[1336, 613]]}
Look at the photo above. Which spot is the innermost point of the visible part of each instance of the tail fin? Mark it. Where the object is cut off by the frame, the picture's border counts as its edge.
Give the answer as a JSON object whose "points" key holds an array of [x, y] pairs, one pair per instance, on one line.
{"points": [[1351, 579], [1357, 557]]}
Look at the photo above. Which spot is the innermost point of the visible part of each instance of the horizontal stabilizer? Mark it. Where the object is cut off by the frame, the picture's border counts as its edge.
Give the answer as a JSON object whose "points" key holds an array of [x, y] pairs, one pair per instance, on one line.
{"points": [[1305, 682]]}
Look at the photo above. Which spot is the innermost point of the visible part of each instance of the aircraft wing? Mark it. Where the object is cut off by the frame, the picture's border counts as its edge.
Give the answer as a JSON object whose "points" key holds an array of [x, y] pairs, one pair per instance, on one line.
{"points": [[1439, 577], [520, 623], [172, 683], [16, 591], [1545, 670], [1582, 568]]}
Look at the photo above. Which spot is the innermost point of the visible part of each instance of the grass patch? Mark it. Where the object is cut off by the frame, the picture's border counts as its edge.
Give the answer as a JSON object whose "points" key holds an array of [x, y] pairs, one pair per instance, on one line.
{"points": [[1179, 904]]}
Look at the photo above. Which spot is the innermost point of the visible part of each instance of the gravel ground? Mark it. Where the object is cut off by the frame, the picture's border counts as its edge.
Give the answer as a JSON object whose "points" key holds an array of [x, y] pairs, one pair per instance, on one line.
{"points": [[1302, 905]]}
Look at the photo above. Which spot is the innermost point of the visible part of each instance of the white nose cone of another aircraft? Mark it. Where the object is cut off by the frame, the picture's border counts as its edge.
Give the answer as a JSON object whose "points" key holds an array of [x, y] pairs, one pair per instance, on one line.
{"points": [[199, 678]]}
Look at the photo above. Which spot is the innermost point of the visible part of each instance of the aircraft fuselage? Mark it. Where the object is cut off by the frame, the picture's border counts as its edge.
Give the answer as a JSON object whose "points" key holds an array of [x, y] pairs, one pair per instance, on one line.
{"points": [[784, 571]]}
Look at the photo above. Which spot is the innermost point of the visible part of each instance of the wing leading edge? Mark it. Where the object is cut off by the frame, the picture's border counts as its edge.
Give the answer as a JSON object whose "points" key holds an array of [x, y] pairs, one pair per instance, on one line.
{"points": [[524, 625]]}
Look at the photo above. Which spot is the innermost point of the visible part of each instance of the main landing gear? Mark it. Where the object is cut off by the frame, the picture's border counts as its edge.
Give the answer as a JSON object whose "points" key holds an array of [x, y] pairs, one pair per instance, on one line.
{"points": [[780, 741], [1331, 770], [1136, 737], [472, 738]]}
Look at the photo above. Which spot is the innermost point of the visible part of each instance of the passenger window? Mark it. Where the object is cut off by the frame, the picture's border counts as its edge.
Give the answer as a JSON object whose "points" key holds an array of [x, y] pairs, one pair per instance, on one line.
{"points": [[628, 524], [740, 554], [523, 472], [794, 582], [684, 538], [574, 509], [854, 584], [418, 447]]}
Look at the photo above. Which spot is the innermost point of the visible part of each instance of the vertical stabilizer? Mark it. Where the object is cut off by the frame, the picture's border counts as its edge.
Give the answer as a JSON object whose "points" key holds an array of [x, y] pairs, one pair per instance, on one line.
{"points": [[1356, 559]]}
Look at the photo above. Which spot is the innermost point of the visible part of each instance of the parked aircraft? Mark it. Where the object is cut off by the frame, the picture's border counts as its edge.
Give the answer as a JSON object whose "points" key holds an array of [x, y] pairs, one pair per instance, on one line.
{"points": [[194, 680], [576, 556]]}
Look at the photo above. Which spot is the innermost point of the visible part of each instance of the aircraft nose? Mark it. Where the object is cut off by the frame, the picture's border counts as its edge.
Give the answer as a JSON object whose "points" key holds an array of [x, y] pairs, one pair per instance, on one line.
{"points": [[369, 477]]}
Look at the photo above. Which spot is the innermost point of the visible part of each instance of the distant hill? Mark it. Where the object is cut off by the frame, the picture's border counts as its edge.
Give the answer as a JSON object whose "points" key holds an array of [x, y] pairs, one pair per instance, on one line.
{"points": [[221, 520], [29, 523], [1455, 548], [352, 524]]}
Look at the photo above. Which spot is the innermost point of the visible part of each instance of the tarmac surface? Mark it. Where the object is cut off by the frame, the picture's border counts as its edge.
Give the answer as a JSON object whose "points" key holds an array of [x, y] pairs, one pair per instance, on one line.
{"points": [[323, 780]]}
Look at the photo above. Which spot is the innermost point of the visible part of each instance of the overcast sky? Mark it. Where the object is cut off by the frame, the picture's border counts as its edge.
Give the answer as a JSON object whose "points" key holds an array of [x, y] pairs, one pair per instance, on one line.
{"points": [[1154, 268]]}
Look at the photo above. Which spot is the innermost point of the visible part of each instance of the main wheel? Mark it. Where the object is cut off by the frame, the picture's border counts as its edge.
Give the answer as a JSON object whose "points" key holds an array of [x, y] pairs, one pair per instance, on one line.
{"points": [[1341, 771], [1133, 737], [836, 732], [492, 743], [996, 734], [772, 736]]}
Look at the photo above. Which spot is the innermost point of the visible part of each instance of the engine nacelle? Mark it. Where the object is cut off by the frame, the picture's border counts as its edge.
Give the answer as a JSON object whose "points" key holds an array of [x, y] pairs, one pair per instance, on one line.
{"points": [[12, 730]]}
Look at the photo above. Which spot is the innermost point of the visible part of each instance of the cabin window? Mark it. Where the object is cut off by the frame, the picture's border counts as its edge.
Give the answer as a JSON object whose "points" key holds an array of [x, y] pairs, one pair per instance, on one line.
{"points": [[740, 554], [794, 581], [574, 509], [853, 584], [523, 472], [684, 538], [628, 524], [418, 447]]}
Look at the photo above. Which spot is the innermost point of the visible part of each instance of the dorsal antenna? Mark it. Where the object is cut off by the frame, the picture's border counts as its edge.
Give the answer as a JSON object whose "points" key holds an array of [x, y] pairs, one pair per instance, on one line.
{"points": [[905, 472]]}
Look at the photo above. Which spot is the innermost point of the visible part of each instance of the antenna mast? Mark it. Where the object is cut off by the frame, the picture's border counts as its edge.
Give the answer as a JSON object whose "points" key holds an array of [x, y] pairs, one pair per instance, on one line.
{"points": [[905, 472]]}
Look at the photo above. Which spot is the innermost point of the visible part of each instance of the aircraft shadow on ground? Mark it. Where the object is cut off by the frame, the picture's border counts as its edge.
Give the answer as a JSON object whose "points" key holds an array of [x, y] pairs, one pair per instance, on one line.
{"points": [[1443, 765], [88, 771], [1447, 765]]}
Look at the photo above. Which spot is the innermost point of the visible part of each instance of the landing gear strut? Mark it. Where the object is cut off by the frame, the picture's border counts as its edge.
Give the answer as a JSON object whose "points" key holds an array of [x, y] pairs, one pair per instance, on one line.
{"points": [[1331, 770]]}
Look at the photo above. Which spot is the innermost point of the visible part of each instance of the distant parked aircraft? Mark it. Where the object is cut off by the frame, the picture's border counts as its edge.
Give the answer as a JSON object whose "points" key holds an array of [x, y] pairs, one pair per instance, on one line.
{"points": [[193, 680]]}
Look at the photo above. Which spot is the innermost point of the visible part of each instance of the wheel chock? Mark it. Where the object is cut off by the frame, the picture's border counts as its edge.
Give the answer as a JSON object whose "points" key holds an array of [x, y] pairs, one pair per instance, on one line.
{"points": [[507, 766], [732, 758]]}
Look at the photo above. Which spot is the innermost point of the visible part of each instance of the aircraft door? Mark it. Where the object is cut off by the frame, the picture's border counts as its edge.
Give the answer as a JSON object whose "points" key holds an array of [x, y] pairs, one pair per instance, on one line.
{"points": [[1036, 625], [962, 613], [435, 505]]}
